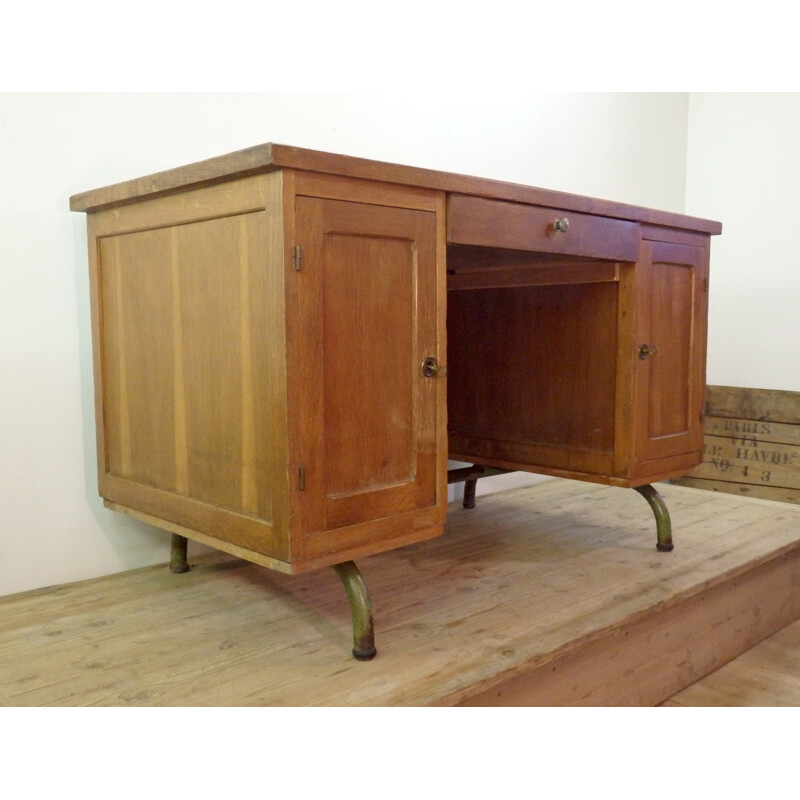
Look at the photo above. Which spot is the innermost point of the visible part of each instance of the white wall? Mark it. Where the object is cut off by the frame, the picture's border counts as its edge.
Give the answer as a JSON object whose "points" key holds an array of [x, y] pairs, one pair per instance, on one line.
{"points": [[53, 527], [744, 170]]}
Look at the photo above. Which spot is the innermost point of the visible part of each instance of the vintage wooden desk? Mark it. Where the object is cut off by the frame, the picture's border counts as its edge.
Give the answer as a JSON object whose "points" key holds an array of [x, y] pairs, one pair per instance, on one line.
{"points": [[288, 346]]}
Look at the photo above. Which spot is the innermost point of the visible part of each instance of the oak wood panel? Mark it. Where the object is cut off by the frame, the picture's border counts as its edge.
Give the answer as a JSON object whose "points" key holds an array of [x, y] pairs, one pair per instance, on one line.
{"points": [[312, 184], [361, 539], [186, 360], [304, 349], [534, 365], [199, 175], [260, 541], [671, 291], [245, 537], [138, 355], [494, 223], [672, 308], [675, 235], [240, 196], [462, 258], [660, 469], [369, 288], [525, 276], [580, 465], [267, 157], [471, 267], [189, 355], [625, 370], [368, 285], [596, 466]]}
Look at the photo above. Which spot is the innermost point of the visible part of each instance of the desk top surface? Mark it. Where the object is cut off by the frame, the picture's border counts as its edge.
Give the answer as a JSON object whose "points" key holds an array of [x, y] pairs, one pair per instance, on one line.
{"points": [[268, 157]]}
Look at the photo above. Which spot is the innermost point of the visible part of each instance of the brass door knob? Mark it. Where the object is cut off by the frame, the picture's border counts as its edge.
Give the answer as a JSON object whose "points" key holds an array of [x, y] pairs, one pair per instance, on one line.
{"points": [[561, 225], [430, 367], [647, 350]]}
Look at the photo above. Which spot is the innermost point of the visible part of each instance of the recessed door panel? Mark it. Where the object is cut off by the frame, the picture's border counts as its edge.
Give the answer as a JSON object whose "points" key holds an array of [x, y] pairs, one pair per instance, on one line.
{"points": [[184, 357], [366, 293], [670, 350]]}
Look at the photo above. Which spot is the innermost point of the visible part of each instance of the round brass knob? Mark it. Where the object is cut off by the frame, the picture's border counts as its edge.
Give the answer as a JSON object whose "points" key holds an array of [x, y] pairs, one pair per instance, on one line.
{"points": [[430, 367], [647, 350], [561, 225]]}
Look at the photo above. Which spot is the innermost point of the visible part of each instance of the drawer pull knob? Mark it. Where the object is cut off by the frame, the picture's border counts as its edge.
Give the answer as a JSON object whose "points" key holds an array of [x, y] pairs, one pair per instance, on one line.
{"points": [[430, 367], [647, 350], [561, 225]]}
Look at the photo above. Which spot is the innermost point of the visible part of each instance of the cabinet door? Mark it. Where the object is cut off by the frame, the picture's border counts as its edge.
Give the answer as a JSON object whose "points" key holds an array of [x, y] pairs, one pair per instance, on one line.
{"points": [[671, 327], [367, 320]]}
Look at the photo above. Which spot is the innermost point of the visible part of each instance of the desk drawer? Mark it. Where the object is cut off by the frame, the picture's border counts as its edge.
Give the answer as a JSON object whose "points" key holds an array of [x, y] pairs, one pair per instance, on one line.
{"points": [[496, 223]]}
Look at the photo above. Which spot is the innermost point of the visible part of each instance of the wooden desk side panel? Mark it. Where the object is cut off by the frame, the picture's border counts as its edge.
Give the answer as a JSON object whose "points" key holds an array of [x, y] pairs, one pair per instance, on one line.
{"points": [[189, 346]]}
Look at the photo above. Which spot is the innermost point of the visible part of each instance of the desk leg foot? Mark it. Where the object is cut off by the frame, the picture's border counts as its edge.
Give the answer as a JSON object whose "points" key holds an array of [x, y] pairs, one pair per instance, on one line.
{"points": [[178, 561], [470, 485], [663, 522], [469, 476], [360, 608]]}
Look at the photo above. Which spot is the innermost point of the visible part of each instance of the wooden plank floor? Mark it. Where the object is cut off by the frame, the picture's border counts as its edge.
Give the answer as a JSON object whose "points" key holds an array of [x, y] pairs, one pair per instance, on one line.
{"points": [[505, 599], [766, 675]]}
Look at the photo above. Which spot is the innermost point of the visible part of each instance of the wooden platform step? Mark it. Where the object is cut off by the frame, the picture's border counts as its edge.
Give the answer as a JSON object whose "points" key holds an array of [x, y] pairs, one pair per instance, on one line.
{"points": [[548, 595], [766, 676]]}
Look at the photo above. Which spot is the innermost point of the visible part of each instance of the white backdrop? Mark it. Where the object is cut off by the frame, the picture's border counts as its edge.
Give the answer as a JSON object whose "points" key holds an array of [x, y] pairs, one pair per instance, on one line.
{"points": [[627, 147], [744, 169]]}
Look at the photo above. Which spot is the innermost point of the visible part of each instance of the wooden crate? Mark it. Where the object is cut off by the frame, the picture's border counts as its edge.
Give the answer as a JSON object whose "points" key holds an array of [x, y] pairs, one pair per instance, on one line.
{"points": [[751, 444]]}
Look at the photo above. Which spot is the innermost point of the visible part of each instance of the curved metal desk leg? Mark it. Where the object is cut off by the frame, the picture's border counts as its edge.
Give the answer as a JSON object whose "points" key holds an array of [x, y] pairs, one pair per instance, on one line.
{"points": [[663, 522], [360, 608], [177, 557], [469, 492]]}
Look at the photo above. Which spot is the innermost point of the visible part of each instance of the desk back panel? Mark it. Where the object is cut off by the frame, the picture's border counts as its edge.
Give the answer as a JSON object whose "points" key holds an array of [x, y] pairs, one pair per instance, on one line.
{"points": [[533, 367]]}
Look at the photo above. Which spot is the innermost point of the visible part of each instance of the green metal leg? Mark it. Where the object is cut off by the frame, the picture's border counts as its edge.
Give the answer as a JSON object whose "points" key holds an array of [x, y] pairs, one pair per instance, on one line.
{"points": [[177, 558], [469, 476], [663, 522], [360, 608], [470, 485]]}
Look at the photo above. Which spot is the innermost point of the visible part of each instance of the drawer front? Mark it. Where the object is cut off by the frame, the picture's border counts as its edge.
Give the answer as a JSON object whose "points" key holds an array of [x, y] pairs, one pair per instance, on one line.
{"points": [[496, 223]]}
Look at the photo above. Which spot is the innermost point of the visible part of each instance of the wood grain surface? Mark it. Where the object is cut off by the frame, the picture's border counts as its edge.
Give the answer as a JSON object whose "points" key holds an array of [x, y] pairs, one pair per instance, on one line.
{"points": [[556, 582]]}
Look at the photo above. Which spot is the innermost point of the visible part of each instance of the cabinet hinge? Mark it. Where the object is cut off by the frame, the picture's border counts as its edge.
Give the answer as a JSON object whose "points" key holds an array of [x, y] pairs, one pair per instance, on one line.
{"points": [[301, 479], [298, 257]]}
